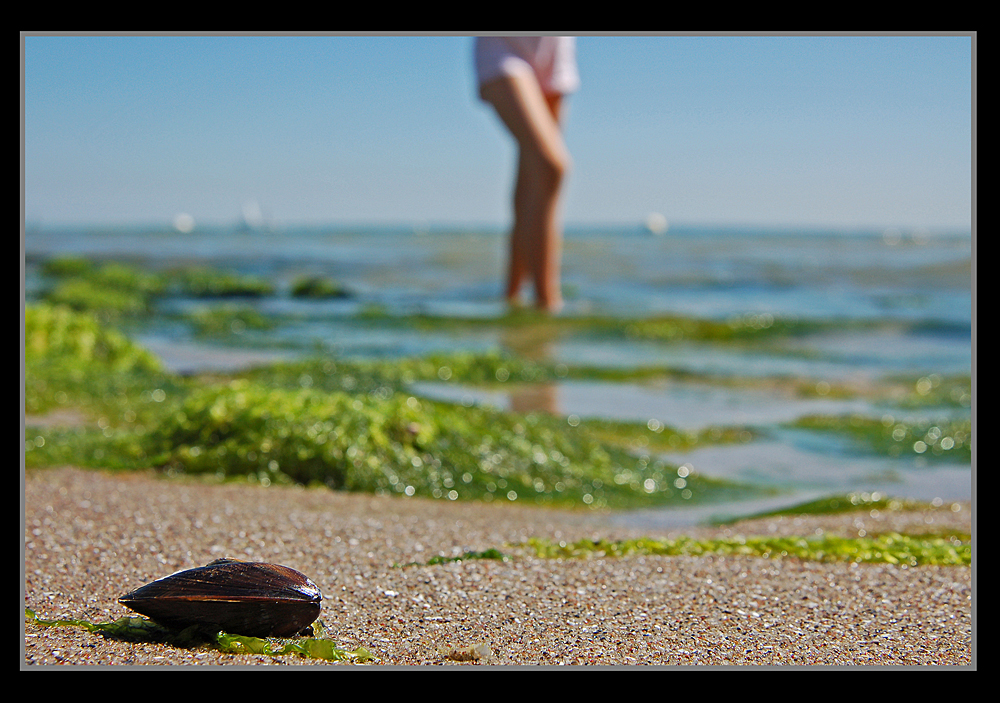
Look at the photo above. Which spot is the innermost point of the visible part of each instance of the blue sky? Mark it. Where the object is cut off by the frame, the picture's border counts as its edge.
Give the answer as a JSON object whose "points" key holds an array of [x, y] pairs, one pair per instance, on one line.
{"points": [[793, 131]]}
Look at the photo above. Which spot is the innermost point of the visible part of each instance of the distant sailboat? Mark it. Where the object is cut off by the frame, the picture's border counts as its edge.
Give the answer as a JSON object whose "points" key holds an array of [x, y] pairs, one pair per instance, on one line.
{"points": [[251, 218]]}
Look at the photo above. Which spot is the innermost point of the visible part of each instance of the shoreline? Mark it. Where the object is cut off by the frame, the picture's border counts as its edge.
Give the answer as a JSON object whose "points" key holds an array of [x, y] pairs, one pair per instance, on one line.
{"points": [[92, 536]]}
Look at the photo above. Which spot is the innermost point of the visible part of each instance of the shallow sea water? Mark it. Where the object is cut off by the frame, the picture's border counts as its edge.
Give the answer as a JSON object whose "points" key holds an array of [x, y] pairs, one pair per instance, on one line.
{"points": [[916, 287]]}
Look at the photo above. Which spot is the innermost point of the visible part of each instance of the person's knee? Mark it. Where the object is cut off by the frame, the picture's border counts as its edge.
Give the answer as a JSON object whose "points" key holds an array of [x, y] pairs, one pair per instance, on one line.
{"points": [[561, 166], [551, 169]]}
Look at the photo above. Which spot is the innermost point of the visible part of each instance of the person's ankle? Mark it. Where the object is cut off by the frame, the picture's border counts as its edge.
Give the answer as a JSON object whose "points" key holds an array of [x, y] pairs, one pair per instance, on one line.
{"points": [[550, 305]]}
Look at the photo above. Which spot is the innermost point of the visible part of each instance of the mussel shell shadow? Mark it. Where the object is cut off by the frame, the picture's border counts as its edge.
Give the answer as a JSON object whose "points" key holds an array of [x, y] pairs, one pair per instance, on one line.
{"points": [[241, 598]]}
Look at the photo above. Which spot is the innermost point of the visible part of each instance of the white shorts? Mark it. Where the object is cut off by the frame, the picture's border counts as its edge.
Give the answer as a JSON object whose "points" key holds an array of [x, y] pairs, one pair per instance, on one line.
{"points": [[551, 59]]}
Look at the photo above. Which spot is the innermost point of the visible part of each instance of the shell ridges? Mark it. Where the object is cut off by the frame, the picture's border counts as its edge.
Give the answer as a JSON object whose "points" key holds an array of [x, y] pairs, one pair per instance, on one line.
{"points": [[245, 598]]}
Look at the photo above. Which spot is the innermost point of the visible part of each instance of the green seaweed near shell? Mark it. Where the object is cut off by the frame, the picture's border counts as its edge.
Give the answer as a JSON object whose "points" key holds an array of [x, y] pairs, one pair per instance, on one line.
{"points": [[137, 629]]}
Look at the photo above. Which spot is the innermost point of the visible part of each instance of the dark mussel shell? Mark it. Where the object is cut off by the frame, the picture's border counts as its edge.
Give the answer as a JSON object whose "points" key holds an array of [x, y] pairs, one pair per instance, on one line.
{"points": [[238, 597]]}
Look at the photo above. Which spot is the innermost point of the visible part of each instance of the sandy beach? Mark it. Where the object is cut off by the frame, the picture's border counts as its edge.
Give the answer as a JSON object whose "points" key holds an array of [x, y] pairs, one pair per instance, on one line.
{"points": [[500, 360], [91, 537]]}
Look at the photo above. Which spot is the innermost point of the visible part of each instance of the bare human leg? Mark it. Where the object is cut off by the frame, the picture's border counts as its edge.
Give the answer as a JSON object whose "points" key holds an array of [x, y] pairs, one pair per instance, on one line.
{"points": [[543, 161]]}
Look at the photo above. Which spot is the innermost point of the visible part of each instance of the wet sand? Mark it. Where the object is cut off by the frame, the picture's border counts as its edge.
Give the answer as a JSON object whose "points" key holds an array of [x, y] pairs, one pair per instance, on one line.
{"points": [[92, 536]]}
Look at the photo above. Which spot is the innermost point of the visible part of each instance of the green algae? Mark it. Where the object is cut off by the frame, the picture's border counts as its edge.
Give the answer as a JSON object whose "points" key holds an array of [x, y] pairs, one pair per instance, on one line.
{"points": [[394, 375], [351, 426], [494, 554], [395, 443], [933, 391], [120, 293], [86, 447], [116, 289], [750, 326], [653, 436], [108, 302], [941, 440], [227, 319], [939, 549], [496, 369], [355, 425], [127, 629], [59, 332], [120, 288], [71, 360], [491, 369], [118, 389], [113, 290], [63, 266], [845, 503], [670, 328], [310, 648], [317, 287], [888, 548], [490, 554], [138, 629], [207, 282]]}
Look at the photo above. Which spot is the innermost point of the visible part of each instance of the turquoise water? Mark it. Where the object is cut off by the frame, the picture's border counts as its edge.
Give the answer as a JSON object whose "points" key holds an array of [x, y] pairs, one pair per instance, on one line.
{"points": [[915, 290]]}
